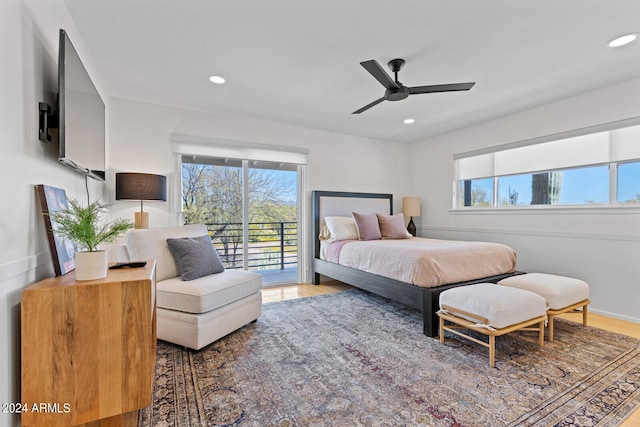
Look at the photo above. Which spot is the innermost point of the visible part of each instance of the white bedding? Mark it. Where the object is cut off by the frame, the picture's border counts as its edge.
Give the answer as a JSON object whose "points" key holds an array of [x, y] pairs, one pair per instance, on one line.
{"points": [[423, 262]]}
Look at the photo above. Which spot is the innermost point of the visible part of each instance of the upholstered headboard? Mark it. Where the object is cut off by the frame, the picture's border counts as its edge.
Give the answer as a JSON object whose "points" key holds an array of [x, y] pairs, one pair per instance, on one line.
{"points": [[338, 203]]}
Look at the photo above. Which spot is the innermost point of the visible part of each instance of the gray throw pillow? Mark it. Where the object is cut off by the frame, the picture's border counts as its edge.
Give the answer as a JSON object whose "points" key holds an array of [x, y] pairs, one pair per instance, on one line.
{"points": [[195, 257]]}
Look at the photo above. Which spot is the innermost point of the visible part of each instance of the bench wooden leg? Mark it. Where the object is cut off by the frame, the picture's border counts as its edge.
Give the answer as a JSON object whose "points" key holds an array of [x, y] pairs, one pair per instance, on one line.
{"points": [[584, 315], [575, 308], [541, 334]]}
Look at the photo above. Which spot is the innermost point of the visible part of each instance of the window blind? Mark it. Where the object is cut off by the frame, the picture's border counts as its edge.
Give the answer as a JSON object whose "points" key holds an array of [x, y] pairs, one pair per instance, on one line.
{"points": [[213, 147], [584, 150]]}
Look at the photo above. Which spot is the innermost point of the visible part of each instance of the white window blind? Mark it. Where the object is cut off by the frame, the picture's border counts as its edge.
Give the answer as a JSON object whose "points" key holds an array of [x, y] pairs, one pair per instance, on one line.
{"points": [[625, 144], [213, 147], [584, 150], [565, 153], [473, 167]]}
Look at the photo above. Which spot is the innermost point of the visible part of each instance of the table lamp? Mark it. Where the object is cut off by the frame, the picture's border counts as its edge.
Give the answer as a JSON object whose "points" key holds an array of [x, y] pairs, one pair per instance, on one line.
{"points": [[411, 207], [141, 186]]}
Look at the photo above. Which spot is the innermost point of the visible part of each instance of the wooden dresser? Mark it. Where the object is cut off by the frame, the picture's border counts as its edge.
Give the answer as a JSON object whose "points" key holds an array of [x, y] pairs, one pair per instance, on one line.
{"points": [[88, 349]]}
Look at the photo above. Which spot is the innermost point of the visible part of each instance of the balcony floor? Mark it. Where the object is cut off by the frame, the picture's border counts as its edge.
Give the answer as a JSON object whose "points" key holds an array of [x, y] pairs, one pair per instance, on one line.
{"points": [[278, 277]]}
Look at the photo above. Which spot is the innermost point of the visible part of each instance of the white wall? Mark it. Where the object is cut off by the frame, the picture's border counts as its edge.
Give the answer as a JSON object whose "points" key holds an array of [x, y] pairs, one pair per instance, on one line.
{"points": [[28, 75], [597, 245], [140, 141]]}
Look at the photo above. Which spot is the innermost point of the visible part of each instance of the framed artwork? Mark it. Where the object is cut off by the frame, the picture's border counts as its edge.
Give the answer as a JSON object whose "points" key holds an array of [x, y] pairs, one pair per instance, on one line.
{"points": [[54, 199]]}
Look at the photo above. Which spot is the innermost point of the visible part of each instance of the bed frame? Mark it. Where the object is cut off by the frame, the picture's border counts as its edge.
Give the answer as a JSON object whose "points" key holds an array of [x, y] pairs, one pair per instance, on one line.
{"points": [[424, 299]]}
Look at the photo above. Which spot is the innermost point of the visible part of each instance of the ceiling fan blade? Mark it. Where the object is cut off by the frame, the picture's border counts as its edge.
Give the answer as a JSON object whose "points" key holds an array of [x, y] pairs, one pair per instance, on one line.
{"points": [[379, 74], [366, 107], [440, 88]]}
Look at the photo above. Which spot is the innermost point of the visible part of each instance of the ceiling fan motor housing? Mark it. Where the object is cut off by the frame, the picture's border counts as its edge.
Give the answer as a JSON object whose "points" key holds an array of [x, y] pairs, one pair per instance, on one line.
{"points": [[396, 94]]}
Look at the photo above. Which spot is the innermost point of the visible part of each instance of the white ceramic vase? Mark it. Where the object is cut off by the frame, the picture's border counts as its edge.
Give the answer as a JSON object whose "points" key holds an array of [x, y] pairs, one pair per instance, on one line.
{"points": [[91, 265]]}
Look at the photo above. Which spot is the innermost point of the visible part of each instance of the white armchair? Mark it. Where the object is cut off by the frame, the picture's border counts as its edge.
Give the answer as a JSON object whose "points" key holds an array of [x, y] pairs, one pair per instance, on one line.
{"points": [[197, 312]]}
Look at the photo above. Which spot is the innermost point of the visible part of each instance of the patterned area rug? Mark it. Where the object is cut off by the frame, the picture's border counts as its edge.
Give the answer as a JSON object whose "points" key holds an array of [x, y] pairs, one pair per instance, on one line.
{"points": [[354, 359]]}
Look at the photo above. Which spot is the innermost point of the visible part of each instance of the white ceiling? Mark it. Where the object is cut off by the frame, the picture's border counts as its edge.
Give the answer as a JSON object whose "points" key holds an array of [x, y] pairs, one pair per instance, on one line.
{"points": [[297, 61]]}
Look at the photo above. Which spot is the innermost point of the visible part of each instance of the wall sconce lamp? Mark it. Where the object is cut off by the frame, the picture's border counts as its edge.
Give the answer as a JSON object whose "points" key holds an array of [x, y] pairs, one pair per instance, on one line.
{"points": [[141, 186], [411, 207]]}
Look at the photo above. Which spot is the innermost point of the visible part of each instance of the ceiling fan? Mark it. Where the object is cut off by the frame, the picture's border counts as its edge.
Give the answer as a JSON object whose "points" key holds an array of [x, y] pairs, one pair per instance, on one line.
{"points": [[396, 91]]}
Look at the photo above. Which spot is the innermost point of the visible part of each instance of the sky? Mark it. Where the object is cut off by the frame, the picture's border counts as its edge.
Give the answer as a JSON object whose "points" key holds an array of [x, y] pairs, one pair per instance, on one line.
{"points": [[628, 181], [291, 178]]}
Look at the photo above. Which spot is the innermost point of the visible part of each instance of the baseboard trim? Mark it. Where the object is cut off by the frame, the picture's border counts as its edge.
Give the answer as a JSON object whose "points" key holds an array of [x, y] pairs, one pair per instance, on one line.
{"points": [[534, 233], [615, 316]]}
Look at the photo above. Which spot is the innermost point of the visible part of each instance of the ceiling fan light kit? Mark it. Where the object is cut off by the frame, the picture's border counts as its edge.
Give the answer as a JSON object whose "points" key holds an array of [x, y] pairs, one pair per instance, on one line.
{"points": [[396, 91], [623, 40], [217, 79]]}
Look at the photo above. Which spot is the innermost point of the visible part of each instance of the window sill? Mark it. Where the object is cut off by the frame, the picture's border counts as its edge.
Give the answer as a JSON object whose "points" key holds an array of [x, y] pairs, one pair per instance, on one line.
{"points": [[566, 209]]}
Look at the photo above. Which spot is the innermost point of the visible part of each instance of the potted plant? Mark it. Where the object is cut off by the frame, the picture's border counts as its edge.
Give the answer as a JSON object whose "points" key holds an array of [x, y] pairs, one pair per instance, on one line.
{"points": [[82, 225]]}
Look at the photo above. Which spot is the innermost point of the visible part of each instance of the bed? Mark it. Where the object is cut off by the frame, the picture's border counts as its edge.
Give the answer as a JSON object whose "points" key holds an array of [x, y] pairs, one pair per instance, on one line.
{"points": [[424, 297]]}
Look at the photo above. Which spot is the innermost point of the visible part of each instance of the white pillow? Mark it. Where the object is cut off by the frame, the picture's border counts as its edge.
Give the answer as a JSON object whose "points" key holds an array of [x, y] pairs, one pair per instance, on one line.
{"points": [[341, 228]]}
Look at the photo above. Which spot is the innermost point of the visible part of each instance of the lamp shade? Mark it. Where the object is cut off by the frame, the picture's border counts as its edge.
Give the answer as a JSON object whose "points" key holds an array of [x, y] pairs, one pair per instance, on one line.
{"points": [[411, 206], [141, 186]]}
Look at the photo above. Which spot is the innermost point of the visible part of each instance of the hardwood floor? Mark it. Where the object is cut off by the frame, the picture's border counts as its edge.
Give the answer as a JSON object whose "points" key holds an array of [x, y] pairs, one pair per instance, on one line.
{"points": [[281, 293]]}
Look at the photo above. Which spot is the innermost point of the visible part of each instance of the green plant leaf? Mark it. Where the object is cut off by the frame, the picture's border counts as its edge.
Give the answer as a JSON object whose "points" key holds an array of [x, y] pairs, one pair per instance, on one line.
{"points": [[82, 225]]}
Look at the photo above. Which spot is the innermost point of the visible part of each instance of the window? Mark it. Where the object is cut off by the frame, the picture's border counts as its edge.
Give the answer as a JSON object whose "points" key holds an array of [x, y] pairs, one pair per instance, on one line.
{"points": [[478, 192], [249, 207], [588, 185], [601, 167], [237, 187], [628, 183]]}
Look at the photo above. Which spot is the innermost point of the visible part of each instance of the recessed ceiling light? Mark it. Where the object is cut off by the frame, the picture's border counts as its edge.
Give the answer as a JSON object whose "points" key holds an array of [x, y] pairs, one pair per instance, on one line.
{"points": [[409, 121], [216, 79], [623, 40]]}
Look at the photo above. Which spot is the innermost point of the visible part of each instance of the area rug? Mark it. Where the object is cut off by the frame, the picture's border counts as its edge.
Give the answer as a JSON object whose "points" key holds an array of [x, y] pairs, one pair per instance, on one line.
{"points": [[355, 359]]}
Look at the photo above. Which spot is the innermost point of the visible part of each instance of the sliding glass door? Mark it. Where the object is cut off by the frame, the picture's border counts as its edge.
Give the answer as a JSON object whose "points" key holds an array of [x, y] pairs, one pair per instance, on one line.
{"points": [[251, 210]]}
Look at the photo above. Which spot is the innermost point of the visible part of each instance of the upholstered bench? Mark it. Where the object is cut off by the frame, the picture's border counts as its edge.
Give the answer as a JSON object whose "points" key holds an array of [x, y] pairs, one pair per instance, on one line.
{"points": [[491, 310], [563, 294]]}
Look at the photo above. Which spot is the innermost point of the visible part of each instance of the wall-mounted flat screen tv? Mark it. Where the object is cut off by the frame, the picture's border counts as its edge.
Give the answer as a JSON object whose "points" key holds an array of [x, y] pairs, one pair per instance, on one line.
{"points": [[81, 115]]}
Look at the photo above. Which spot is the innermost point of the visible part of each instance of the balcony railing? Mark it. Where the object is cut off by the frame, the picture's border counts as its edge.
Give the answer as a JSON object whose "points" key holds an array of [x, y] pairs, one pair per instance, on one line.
{"points": [[272, 245]]}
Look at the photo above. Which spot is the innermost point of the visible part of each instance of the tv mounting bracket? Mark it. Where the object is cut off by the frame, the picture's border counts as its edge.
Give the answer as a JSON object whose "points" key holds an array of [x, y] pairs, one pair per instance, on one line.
{"points": [[48, 119]]}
